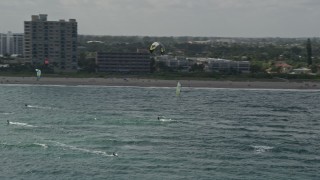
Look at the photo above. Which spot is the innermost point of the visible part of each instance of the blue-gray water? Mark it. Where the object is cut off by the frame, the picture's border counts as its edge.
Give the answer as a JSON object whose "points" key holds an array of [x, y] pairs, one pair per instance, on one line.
{"points": [[71, 132]]}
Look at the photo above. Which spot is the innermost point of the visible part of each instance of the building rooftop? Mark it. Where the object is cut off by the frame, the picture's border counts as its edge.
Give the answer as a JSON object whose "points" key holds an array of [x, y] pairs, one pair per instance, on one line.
{"points": [[44, 17]]}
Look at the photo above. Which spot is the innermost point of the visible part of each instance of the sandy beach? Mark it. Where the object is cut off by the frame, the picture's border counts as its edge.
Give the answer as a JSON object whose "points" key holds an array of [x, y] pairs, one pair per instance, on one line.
{"points": [[159, 83]]}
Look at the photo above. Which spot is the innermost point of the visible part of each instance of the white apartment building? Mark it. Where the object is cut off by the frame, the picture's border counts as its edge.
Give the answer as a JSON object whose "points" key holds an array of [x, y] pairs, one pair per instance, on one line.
{"points": [[11, 43]]}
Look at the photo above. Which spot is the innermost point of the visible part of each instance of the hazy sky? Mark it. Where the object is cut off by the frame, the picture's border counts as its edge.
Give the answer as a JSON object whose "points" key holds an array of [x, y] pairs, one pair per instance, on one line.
{"points": [[218, 18]]}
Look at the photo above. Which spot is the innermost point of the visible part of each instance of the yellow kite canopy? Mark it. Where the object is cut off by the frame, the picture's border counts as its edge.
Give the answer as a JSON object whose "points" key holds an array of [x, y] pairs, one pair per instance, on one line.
{"points": [[155, 46]]}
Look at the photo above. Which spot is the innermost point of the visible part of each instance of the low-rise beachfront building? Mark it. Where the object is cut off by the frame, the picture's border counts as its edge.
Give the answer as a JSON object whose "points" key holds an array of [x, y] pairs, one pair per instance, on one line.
{"points": [[210, 64], [123, 62], [283, 67], [175, 62], [223, 65]]}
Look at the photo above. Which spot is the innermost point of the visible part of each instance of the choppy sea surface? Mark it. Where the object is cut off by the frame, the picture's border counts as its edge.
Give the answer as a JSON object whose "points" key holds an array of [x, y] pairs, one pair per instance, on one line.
{"points": [[71, 132]]}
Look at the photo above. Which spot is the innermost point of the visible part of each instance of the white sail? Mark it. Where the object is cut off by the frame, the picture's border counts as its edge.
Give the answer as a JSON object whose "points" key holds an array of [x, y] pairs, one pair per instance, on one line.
{"points": [[178, 89]]}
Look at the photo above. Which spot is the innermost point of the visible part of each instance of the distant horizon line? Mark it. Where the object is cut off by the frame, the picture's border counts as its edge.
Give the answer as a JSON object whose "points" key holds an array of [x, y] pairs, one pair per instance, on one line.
{"points": [[235, 37], [192, 36]]}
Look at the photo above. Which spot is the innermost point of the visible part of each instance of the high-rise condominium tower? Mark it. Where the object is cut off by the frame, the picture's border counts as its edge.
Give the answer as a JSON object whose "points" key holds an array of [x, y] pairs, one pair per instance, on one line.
{"points": [[53, 43]]}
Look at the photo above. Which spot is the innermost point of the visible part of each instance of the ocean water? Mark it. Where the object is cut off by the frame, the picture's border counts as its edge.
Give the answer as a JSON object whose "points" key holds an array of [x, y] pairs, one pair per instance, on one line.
{"points": [[71, 132]]}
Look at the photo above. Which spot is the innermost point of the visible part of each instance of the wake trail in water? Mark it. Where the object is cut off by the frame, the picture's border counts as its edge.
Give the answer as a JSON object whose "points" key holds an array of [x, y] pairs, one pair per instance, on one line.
{"points": [[164, 119], [102, 153], [41, 145], [38, 107], [21, 124]]}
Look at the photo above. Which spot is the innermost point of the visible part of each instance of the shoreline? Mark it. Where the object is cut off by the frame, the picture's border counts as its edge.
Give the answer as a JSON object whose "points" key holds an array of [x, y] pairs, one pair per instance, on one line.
{"points": [[140, 82]]}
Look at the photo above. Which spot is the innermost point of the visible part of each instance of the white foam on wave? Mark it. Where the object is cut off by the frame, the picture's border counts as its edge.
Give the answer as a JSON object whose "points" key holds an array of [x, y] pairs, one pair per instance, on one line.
{"points": [[21, 124], [258, 89], [261, 149], [3, 144], [34, 85], [102, 153], [6, 113]]}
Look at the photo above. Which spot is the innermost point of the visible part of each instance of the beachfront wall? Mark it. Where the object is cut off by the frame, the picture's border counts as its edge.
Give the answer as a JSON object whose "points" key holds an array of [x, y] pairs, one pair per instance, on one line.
{"points": [[123, 62], [301, 71]]}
